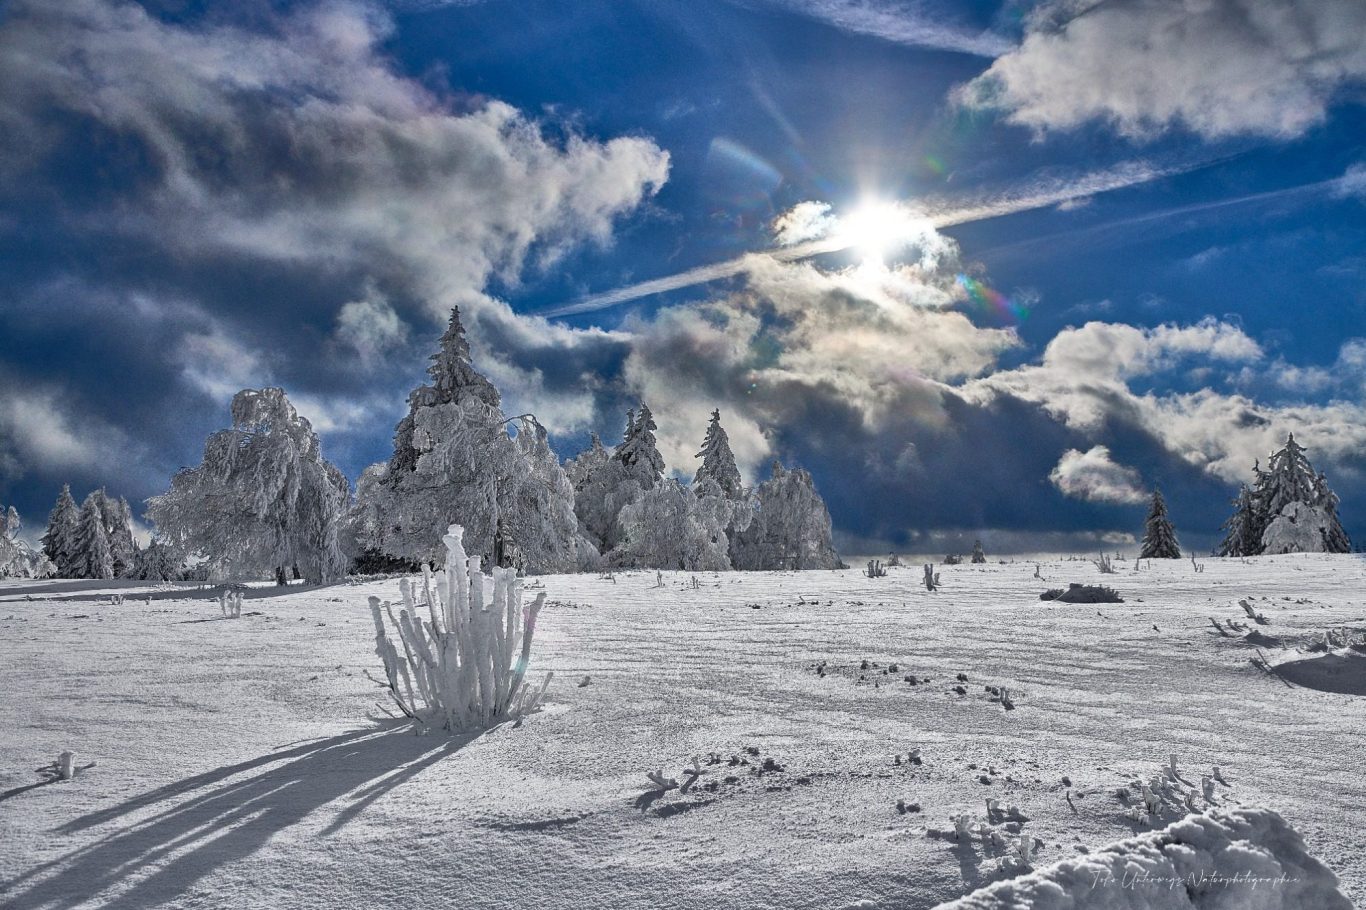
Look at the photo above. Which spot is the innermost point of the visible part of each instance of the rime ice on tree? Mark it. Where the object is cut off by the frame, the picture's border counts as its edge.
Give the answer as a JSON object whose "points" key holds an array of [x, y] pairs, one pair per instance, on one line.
{"points": [[718, 462], [1159, 538], [453, 456], [1289, 508], [263, 501], [791, 527]]}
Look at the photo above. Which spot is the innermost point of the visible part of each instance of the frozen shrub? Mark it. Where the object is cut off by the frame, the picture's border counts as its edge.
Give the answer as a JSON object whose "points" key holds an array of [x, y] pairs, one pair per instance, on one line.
{"points": [[463, 666]]}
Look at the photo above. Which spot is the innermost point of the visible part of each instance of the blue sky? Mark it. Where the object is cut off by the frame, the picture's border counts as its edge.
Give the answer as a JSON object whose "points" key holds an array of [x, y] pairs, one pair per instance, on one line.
{"points": [[1128, 241]]}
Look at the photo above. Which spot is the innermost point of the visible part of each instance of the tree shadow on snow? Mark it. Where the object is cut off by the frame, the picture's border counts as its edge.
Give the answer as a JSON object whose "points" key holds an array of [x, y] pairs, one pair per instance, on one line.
{"points": [[221, 817]]}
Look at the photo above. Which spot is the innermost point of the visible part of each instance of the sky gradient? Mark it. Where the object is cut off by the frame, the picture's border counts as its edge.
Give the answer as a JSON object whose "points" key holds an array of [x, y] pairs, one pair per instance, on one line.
{"points": [[1130, 241]]}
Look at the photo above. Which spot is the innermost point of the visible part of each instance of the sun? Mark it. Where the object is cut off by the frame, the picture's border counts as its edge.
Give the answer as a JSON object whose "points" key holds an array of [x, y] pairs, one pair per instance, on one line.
{"points": [[877, 229]]}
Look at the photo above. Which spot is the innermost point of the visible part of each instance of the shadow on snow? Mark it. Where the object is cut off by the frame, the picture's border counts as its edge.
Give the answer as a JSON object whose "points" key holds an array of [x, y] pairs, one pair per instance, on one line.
{"points": [[221, 817]]}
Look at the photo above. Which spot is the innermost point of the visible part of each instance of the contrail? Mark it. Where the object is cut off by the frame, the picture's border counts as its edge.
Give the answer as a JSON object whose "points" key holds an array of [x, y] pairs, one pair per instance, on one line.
{"points": [[1040, 194]]}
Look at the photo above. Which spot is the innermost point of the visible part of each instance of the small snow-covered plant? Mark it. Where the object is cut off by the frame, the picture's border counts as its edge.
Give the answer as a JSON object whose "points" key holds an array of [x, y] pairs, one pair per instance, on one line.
{"points": [[931, 577], [1025, 847], [875, 569], [893, 560], [962, 826], [464, 667], [66, 765], [230, 603], [1171, 767], [1104, 565], [1199, 566]]}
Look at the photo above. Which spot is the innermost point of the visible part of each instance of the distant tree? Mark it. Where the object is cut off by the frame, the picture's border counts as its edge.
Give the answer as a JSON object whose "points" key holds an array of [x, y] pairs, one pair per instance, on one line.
{"points": [[94, 558], [639, 450], [1159, 537], [1299, 509], [59, 542], [581, 468], [118, 526], [17, 558], [157, 561], [263, 500], [1243, 530], [718, 461], [978, 554], [665, 528], [791, 527]]}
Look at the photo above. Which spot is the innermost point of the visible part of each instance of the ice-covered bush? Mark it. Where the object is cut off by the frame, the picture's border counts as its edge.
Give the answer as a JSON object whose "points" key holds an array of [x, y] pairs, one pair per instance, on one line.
{"points": [[462, 666], [1246, 858]]}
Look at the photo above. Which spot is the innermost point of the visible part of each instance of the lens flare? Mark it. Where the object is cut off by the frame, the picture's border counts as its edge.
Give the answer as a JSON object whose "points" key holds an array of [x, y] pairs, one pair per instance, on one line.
{"points": [[988, 298], [877, 229]]}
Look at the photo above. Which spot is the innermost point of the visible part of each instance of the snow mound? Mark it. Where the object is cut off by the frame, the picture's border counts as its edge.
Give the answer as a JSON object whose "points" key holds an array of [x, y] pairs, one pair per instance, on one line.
{"points": [[1248, 859]]}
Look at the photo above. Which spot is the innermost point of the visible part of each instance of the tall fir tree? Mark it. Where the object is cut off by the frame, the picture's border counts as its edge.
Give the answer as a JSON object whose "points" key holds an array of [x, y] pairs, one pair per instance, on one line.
{"points": [[640, 451], [59, 542], [1159, 538], [791, 527], [718, 461], [93, 558]]}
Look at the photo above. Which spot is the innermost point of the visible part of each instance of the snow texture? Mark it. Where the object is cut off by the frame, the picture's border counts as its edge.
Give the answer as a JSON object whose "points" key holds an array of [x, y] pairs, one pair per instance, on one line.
{"points": [[1248, 859], [235, 764]]}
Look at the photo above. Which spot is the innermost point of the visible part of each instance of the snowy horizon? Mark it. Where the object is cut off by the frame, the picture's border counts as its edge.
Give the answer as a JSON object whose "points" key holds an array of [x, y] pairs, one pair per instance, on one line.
{"points": [[948, 258]]}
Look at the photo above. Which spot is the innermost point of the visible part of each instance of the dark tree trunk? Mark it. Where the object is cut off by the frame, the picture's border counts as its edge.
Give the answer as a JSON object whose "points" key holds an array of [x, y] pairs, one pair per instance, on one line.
{"points": [[280, 575]]}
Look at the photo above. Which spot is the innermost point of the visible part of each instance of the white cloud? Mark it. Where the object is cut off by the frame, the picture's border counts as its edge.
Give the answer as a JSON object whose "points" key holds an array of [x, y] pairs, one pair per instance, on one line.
{"points": [[370, 326], [901, 23], [1094, 476], [1216, 67], [40, 427], [1353, 182]]}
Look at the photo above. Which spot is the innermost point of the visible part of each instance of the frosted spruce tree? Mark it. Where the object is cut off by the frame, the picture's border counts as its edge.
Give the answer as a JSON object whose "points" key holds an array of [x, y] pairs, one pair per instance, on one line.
{"points": [[1159, 537], [979, 555], [718, 461], [157, 562], [17, 558], [588, 462], [667, 527], [453, 457], [93, 557], [1243, 530], [118, 525], [59, 542], [1297, 507], [791, 527], [634, 468], [264, 501]]}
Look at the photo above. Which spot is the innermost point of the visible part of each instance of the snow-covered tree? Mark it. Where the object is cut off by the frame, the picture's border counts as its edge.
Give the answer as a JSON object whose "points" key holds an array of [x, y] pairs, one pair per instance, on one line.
{"points": [[1289, 507], [17, 558], [1244, 528], [608, 487], [453, 456], [667, 528], [264, 500], [590, 460], [157, 561], [1290, 480], [93, 558], [791, 527], [718, 461], [979, 555], [59, 542], [118, 525], [1159, 537]]}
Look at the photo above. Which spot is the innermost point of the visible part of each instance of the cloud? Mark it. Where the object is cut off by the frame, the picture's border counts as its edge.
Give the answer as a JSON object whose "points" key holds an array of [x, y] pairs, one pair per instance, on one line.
{"points": [[1218, 68], [1353, 182], [370, 326], [900, 23], [1094, 476], [324, 156]]}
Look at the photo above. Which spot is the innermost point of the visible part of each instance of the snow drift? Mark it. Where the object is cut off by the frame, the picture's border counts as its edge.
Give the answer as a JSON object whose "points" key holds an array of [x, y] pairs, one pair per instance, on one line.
{"points": [[1249, 859]]}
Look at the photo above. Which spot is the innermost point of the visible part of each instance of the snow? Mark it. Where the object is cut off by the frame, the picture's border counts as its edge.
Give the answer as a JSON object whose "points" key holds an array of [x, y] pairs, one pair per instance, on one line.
{"points": [[235, 765], [1247, 859]]}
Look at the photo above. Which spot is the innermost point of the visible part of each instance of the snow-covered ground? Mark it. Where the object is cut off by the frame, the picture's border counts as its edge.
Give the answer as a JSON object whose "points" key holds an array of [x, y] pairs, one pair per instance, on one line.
{"points": [[235, 765]]}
